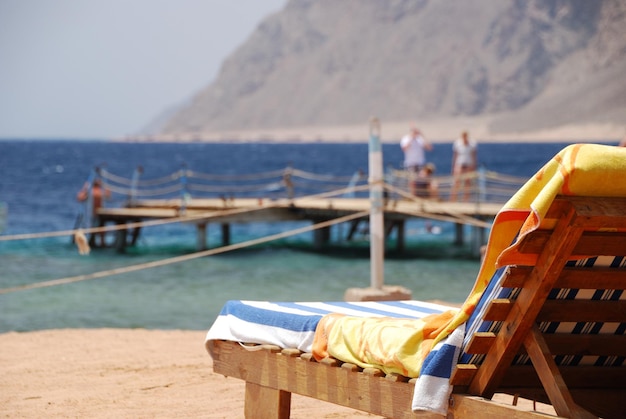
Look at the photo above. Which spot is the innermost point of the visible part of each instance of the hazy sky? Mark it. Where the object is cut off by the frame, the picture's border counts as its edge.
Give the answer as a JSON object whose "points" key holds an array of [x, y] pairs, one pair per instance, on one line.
{"points": [[106, 68]]}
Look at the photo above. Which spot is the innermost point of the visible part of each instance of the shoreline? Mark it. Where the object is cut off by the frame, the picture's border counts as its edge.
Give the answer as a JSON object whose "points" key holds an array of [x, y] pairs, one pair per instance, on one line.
{"points": [[128, 373], [436, 130]]}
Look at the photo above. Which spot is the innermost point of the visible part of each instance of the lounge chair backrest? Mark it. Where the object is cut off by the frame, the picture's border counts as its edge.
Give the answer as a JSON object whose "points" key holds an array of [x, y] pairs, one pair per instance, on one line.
{"points": [[566, 315]]}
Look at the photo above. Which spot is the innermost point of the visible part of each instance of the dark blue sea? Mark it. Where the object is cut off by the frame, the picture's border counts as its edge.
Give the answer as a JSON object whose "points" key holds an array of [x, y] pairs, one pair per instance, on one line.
{"points": [[39, 181]]}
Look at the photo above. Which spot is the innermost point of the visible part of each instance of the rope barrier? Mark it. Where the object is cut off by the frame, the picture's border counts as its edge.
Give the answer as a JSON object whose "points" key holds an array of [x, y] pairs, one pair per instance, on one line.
{"points": [[105, 174], [162, 191], [184, 258], [451, 217], [234, 188], [160, 181], [256, 176], [314, 176]]}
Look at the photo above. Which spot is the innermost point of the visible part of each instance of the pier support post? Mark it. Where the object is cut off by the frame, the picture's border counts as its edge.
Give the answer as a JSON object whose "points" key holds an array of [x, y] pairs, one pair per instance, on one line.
{"points": [[400, 236], [225, 234], [459, 233], [377, 290], [321, 236], [201, 236], [120, 238], [354, 226], [135, 235], [478, 240]]}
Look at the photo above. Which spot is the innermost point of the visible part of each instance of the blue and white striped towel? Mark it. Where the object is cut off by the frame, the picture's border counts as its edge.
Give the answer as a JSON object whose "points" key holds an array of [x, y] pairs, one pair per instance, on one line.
{"points": [[292, 325]]}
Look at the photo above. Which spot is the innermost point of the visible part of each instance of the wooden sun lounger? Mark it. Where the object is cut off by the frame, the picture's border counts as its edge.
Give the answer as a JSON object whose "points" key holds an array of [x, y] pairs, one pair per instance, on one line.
{"points": [[272, 374], [584, 227]]}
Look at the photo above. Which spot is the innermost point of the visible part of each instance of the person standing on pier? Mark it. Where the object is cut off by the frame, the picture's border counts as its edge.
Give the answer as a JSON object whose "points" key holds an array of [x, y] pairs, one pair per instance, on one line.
{"points": [[425, 185], [414, 146], [464, 161], [98, 194]]}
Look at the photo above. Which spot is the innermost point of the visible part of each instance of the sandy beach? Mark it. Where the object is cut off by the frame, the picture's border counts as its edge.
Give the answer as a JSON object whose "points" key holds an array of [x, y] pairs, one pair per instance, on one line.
{"points": [[128, 373], [437, 130], [124, 373]]}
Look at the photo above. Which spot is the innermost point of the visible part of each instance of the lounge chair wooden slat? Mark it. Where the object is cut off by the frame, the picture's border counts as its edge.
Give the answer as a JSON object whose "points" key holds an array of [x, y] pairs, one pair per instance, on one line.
{"points": [[463, 406], [498, 309], [561, 344], [604, 278], [462, 375], [480, 343], [582, 311], [564, 311], [593, 214], [585, 344], [579, 378], [592, 243], [523, 380]]}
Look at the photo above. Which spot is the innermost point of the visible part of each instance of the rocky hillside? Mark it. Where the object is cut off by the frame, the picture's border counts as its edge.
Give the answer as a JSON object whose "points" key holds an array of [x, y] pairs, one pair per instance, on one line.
{"points": [[527, 64]]}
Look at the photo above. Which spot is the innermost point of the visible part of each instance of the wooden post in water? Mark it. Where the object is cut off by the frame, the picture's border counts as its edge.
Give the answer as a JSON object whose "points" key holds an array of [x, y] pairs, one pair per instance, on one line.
{"points": [[377, 229], [377, 290], [201, 243]]}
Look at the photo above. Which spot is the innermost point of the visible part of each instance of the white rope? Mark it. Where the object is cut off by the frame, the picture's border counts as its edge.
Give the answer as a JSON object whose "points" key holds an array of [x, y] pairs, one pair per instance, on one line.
{"points": [[147, 182], [233, 188], [314, 176], [159, 181], [255, 176], [452, 217]]}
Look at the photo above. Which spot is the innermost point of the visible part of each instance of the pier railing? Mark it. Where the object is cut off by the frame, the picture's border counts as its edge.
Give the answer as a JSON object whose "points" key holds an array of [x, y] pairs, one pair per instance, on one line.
{"points": [[478, 186]]}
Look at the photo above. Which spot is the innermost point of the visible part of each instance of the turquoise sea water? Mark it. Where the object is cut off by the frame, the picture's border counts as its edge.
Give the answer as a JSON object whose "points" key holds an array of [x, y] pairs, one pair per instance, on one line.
{"points": [[39, 180]]}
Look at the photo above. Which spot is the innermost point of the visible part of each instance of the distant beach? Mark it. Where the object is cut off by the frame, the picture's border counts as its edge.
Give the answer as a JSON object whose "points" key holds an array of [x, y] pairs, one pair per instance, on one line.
{"points": [[436, 130]]}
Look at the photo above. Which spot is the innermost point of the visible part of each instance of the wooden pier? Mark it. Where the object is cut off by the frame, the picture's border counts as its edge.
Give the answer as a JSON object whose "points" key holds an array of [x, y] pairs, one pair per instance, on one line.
{"points": [[201, 199], [202, 212]]}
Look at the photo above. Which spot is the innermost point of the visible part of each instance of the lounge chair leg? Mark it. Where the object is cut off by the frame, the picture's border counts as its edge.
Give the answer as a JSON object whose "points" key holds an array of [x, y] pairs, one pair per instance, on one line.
{"points": [[551, 378], [264, 402]]}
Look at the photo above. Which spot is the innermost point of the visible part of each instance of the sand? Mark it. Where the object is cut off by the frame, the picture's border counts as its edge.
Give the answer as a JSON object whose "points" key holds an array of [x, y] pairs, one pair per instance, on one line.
{"points": [[129, 373], [123, 373]]}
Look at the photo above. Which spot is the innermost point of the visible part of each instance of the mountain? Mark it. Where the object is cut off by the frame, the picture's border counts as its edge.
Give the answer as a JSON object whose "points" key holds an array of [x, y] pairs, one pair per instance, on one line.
{"points": [[517, 65]]}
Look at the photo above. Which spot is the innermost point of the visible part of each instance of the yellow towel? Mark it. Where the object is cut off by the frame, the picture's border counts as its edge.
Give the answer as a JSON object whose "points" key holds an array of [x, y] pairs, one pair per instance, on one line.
{"points": [[391, 344], [402, 345]]}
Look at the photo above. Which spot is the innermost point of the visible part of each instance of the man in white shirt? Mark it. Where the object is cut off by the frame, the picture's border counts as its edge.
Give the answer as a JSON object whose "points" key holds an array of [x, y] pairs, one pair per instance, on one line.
{"points": [[414, 146]]}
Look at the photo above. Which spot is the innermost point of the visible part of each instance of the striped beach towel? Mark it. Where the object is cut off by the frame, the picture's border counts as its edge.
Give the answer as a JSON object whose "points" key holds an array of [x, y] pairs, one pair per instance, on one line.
{"points": [[293, 325]]}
